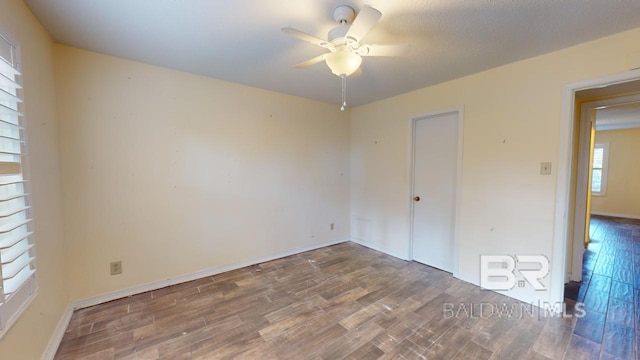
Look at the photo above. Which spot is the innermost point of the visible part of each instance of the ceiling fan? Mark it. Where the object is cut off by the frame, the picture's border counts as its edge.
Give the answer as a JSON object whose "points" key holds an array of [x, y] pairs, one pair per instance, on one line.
{"points": [[344, 41], [344, 46]]}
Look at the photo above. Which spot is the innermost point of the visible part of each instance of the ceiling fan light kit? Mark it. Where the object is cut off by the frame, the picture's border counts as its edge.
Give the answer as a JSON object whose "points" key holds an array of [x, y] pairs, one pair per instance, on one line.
{"points": [[343, 61], [345, 50]]}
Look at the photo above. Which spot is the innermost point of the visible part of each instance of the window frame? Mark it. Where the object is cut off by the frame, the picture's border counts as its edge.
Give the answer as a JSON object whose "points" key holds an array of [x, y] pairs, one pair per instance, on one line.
{"points": [[12, 307], [604, 169]]}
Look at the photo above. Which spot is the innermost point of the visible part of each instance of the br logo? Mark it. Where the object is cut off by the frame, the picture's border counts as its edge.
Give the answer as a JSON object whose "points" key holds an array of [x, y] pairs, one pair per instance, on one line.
{"points": [[504, 272]]}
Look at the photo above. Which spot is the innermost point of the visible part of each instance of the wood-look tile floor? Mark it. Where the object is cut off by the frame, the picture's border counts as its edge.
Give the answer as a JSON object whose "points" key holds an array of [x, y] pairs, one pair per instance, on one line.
{"points": [[339, 302], [610, 287]]}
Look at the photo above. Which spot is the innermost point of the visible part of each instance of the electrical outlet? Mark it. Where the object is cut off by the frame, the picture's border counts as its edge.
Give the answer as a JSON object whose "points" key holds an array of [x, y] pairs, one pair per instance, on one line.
{"points": [[116, 267], [332, 226]]}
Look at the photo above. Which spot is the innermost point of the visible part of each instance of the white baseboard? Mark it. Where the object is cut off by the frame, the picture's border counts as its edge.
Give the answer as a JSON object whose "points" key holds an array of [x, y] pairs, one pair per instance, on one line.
{"points": [[79, 304], [472, 281], [58, 334], [378, 248], [52, 347], [627, 216], [576, 278]]}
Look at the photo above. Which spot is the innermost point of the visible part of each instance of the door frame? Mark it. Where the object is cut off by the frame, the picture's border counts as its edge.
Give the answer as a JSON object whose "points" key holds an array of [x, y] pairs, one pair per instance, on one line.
{"points": [[561, 244], [459, 110], [587, 118]]}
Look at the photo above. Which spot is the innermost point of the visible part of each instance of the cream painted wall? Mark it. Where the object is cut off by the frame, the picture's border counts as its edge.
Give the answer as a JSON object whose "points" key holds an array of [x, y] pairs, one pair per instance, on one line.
{"points": [[623, 188], [174, 173], [28, 338], [511, 124]]}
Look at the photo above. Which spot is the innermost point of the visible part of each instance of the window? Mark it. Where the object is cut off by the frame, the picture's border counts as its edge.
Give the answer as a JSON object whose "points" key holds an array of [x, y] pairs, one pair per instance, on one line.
{"points": [[17, 271], [599, 169]]}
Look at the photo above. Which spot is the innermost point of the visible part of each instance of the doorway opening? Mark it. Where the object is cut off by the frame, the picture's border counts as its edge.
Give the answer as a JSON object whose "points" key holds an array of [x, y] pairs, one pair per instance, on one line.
{"points": [[611, 116], [581, 101]]}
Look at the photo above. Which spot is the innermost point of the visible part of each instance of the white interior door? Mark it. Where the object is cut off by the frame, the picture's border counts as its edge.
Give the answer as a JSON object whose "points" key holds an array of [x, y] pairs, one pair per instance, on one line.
{"points": [[435, 172]]}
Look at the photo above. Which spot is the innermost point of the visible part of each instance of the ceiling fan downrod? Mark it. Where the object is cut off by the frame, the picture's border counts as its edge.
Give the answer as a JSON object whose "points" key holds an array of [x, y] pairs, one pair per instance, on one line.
{"points": [[343, 77]]}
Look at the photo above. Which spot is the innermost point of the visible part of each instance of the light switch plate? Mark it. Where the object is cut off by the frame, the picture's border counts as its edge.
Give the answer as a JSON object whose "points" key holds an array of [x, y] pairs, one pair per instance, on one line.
{"points": [[545, 168]]}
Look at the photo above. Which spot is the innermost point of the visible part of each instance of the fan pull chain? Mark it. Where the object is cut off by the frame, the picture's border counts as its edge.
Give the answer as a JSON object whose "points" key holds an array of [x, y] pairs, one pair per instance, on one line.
{"points": [[343, 77]]}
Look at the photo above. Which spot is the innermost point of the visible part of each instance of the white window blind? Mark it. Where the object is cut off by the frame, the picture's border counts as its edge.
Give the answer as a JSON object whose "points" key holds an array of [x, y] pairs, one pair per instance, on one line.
{"points": [[17, 255], [599, 169]]}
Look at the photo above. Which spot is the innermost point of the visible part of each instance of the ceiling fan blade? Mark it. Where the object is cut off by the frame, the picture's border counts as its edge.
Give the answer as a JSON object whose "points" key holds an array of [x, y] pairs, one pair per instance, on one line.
{"points": [[384, 50], [364, 21], [304, 36], [313, 61]]}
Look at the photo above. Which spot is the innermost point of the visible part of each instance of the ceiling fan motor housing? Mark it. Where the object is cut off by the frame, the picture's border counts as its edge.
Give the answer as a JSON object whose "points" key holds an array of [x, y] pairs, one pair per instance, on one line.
{"points": [[337, 34], [344, 14]]}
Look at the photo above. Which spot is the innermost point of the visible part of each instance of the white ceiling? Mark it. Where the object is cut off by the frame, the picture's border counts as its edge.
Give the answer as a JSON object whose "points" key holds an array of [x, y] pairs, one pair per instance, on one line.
{"points": [[240, 41], [617, 117]]}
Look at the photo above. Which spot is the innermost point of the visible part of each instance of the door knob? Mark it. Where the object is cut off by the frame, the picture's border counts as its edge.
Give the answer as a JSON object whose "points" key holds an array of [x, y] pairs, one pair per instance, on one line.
{"points": [[416, 198]]}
